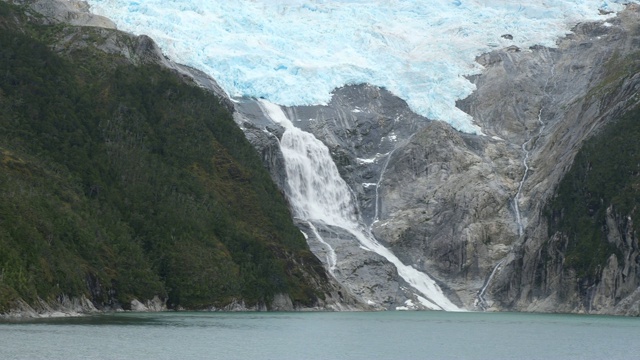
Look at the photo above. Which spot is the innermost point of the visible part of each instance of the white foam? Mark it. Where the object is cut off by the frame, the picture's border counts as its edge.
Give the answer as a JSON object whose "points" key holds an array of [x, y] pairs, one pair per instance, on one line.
{"points": [[366, 161], [296, 52]]}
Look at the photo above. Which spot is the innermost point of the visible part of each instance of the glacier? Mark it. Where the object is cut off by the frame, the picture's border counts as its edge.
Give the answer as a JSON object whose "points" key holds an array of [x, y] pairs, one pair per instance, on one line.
{"points": [[296, 52]]}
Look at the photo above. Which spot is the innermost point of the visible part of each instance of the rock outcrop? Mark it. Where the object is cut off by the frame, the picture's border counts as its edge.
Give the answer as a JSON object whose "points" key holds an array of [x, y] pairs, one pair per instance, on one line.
{"points": [[585, 83]]}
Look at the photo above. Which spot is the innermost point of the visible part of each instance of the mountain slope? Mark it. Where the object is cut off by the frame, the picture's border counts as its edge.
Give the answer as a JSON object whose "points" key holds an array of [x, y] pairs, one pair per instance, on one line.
{"points": [[565, 109], [121, 181], [593, 219]]}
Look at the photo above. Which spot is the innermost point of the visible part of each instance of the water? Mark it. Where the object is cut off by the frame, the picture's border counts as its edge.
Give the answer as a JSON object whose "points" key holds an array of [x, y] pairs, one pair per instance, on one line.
{"points": [[527, 152], [317, 193], [378, 335]]}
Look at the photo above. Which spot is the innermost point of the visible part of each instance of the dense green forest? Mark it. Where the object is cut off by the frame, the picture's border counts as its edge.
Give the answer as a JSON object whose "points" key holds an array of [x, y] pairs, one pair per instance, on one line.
{"points": [[120, 181], [605, 173]]}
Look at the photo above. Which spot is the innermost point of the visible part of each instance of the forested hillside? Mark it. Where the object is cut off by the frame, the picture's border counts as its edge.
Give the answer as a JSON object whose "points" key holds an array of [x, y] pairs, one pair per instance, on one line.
{"points": [[603, 184], [121, 181]]}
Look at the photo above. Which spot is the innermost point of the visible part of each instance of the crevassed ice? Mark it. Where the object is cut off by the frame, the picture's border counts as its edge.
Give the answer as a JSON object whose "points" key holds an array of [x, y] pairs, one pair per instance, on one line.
{"points": [[295, 52]]}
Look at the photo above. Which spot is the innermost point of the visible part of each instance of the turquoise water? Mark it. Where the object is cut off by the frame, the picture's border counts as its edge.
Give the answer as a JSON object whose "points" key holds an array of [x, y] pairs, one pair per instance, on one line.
{"points": [[378, 335]]}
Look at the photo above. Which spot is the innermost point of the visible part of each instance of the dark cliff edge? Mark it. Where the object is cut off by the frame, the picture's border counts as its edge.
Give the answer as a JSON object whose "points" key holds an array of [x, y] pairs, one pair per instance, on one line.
{"points": [[124, 184]]}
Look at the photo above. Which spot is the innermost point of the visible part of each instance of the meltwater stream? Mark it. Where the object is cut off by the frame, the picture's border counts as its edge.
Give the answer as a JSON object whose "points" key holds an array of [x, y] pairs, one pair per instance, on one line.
{"points": [[527, 152], [318, 194], [480, 301]]}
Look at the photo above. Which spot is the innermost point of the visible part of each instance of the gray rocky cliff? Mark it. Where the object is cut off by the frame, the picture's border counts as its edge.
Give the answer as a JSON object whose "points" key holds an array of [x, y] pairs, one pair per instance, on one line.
{"points": [[467, 209], [549, 101], [446, 205], [72, 12]]}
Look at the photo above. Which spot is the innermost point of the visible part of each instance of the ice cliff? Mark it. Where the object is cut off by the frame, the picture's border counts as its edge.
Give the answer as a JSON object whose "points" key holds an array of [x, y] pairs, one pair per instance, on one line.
{"points": [[295, 52]]}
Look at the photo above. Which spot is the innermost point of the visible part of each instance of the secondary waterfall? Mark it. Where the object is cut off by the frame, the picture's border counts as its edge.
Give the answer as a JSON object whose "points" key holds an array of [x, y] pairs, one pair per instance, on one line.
{"points": [[525, 150], [481, 302], [318, 194]]}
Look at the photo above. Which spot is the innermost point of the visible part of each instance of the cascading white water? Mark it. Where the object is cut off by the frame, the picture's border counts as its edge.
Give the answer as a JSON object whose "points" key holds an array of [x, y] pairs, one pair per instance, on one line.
{"points": [[480, 300], [318, 194], [316, 190]]}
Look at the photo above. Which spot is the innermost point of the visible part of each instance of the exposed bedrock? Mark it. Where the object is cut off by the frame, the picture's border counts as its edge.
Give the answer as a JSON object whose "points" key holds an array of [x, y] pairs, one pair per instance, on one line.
{"points": [[551, 100], [456, 205]]}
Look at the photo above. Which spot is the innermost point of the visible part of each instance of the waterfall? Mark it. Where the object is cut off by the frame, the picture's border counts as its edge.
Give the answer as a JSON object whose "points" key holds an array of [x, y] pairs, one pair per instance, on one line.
{"points": [[318, 194], [480, 300], [516, 198], [332, 257], [525, 160], [384, 169]]}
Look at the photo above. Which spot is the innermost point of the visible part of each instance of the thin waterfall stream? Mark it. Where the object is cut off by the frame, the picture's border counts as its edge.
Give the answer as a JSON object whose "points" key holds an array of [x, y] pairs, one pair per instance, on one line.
{"points": [[527, 153], [332, 257], [376, 214], [480, 300], [318, 195]]}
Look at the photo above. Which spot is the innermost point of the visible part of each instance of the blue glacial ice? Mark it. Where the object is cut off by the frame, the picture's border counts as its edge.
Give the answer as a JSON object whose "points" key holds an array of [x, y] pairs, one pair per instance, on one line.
{"points": [[296, 52]]}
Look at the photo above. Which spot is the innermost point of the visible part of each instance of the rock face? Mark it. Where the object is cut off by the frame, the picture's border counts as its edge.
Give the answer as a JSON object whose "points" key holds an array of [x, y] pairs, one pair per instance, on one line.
{"points": [[578, 88], [467, 209], [446, 205]]}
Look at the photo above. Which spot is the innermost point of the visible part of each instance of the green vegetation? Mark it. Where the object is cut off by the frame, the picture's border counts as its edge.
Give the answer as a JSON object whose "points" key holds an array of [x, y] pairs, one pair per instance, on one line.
{"points": [[120, 181], [617, 69], [606, 172]]}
